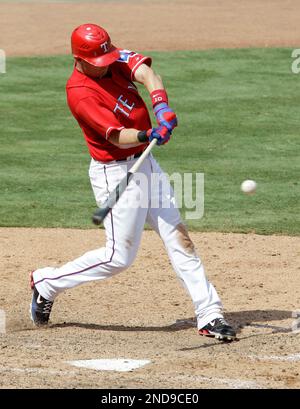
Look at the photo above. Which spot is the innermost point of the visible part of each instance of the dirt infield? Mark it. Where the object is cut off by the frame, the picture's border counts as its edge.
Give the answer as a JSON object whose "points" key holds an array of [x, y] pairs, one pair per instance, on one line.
{"points": [[144, 313], [44, 27]]}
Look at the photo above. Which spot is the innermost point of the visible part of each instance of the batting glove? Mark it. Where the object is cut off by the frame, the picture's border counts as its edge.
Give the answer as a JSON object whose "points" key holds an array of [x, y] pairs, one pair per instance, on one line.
{"points": [[162, 134], [165, 116]]}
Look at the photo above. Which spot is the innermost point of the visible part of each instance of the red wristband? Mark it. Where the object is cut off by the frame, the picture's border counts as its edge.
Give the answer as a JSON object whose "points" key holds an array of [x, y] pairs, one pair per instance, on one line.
{"points": [[158, 96]]}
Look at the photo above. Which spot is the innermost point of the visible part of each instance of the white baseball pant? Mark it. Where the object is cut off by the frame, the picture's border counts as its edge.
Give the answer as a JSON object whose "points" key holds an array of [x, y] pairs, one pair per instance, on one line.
{"points": [[140, 203]]}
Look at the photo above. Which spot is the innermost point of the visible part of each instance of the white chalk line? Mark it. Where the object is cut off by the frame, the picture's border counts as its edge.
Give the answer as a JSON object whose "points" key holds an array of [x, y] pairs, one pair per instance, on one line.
{"points": [[36, 371], [288, 358], [273, 327], [231, 382]]}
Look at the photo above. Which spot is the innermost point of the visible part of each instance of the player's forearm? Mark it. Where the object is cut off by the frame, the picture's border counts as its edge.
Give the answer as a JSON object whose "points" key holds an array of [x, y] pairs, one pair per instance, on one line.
{"points": [[146, 76], [159, 97], [153, 82], [126, 138]]}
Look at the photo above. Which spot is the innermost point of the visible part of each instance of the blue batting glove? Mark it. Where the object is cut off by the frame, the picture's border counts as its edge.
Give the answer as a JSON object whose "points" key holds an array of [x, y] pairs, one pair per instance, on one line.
{"points": [[162, 134], [165, 116]]}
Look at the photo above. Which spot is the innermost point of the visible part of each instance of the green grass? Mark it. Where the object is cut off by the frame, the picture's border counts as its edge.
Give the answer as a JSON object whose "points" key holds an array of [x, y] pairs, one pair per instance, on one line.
{"points": [[238, 116]]}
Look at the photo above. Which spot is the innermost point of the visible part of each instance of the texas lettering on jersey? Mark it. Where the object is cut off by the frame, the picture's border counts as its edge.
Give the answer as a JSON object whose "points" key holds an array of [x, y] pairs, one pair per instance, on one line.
{"points": [[123, 106], [107, 104]]}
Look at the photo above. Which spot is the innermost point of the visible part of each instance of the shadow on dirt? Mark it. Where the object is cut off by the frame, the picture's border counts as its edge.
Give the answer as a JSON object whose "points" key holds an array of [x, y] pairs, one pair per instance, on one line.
{"points": [[238, 320], [257, 319], [166, 328]]}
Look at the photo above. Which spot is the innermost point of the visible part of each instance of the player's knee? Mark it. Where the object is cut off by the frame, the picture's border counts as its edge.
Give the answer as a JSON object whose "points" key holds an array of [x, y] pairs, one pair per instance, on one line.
{"points": [[120, 264], [123, 260]]}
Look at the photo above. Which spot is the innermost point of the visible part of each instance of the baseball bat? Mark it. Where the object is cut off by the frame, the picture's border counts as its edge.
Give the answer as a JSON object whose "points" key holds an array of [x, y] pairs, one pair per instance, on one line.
{"points": [[115, 195]]}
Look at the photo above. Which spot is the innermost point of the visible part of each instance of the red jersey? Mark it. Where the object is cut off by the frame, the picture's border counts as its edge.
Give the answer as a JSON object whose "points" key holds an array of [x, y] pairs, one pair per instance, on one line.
{"points": [[109, 103]]}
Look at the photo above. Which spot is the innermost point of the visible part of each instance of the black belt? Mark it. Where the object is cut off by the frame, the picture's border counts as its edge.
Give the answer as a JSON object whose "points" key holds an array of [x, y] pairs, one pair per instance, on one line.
{"points": [[136, 155]]}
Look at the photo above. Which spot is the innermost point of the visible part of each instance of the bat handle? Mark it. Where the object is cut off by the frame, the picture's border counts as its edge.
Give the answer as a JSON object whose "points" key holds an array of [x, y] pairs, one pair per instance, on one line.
{"points": [[114, 196]]}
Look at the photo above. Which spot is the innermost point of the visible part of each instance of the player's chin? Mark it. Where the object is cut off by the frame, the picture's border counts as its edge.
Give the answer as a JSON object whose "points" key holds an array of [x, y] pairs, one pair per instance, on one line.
{"points": [[98, 72], [93, 71]]}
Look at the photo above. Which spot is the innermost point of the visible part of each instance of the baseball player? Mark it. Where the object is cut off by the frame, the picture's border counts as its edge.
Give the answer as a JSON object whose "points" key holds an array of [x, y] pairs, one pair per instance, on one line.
{"points": [[117, 128]]}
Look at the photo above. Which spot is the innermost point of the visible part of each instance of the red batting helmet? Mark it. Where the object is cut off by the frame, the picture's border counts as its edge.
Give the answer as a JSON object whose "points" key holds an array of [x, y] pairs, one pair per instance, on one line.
{"points": [[92, 44]]}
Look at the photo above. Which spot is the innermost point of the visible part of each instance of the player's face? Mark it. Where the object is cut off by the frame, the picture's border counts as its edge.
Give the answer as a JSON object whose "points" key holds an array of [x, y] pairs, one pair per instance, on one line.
{"points": [[91, 70]]}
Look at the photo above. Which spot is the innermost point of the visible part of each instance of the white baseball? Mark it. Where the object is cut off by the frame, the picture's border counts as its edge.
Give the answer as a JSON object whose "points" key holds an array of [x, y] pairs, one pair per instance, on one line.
{"points": [[248, 186]]}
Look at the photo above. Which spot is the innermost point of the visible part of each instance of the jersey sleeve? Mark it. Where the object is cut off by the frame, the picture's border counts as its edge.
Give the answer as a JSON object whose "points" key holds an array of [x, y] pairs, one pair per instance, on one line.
{"points": [[97, 117], [129, 62]]}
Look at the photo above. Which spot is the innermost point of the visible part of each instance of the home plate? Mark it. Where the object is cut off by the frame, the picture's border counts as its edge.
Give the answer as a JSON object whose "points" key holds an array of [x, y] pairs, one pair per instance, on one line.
{"points": [[120, 365]]}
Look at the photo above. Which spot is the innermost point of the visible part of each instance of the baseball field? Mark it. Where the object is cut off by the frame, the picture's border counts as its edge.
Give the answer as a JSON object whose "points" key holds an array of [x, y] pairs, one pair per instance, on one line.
{"points": [[228, 69]]}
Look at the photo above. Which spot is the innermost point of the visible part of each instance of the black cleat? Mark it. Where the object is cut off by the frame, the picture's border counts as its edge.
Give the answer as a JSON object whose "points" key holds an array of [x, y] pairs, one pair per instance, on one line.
{"points": [[219, 329], [40, 308]]}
